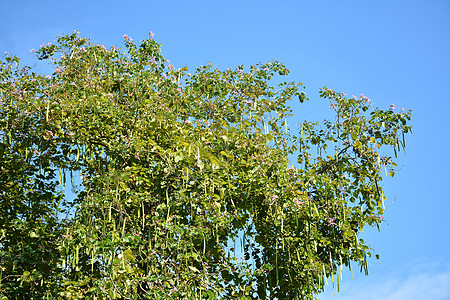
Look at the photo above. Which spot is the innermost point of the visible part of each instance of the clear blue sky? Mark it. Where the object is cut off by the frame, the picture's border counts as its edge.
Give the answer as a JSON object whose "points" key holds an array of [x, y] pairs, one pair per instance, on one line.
{"points": [[392, 51]]}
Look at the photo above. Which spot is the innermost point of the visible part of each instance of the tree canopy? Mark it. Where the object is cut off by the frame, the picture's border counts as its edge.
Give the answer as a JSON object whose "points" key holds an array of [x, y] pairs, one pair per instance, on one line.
{"points": [[188, 187]]}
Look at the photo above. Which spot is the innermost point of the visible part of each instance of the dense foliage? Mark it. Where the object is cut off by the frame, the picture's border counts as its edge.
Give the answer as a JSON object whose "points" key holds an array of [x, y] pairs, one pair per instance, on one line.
{"points": [[186, 191]]}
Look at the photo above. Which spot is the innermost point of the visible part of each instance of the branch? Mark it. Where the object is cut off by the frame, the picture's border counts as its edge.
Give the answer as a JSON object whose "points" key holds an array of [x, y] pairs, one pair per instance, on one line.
{"points": [[327, 165]]}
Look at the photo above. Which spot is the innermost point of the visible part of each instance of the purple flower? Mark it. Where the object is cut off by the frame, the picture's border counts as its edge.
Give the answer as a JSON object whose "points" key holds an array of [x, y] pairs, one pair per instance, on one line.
{"points": [[392, 107], [331, 222], [274, 197], [298, 202]]}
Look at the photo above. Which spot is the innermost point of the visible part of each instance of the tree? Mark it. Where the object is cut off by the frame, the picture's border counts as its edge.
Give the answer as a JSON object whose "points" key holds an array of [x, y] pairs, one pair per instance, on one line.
{"points": [[174, 168]]}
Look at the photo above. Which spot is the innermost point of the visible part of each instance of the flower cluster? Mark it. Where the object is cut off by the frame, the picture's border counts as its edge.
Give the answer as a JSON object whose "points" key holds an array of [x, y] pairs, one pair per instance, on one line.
{"points": [[127, 38]]}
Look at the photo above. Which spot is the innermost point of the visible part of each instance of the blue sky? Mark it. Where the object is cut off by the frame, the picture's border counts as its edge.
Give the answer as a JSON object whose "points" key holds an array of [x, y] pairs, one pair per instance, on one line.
{"points": [[392, 51]]}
